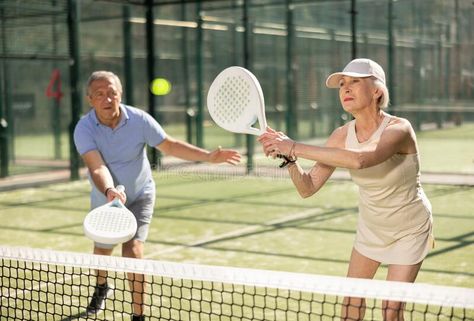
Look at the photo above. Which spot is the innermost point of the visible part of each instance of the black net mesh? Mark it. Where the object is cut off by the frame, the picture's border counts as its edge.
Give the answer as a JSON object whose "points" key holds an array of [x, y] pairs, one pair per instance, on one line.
{"points": [[48, 285]]}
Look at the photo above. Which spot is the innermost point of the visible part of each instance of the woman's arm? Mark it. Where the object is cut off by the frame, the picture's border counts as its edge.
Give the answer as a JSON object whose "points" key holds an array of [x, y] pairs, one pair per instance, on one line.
{"points": [[309, 183], [397, 138]]}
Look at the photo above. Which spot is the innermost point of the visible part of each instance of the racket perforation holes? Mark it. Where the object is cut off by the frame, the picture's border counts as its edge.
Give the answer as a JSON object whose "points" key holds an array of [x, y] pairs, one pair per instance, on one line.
{"points": [[110, 221], [232, 98]]}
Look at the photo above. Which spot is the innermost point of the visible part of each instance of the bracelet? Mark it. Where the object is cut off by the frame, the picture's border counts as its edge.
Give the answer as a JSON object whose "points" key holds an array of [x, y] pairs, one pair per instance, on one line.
{"points": [[107, 190]]}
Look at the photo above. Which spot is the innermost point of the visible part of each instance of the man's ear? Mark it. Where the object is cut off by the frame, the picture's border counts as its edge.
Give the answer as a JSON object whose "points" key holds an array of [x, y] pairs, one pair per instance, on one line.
{"points": [[89, 99]]}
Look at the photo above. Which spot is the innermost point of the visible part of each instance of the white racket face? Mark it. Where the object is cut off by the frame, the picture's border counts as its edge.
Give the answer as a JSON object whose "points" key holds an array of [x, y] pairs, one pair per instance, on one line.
{"points": [[109, 224], [235, 101]]}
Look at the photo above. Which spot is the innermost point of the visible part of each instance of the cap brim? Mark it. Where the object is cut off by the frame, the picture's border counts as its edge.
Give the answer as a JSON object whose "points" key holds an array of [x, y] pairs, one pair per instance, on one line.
{"points": [[333, 80]]}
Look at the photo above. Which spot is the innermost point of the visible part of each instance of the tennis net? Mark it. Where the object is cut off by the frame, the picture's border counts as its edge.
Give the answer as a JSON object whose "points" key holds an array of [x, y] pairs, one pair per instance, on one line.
{"points": [[41, 284]]}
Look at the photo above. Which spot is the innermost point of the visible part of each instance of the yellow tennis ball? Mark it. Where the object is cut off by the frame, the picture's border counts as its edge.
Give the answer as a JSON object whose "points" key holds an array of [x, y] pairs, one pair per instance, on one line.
{"points": [[160, 87]]}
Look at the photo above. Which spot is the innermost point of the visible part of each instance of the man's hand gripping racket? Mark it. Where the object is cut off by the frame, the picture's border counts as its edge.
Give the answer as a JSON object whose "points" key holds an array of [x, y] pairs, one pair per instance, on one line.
{"points": [[111, 223], [235, 102]]}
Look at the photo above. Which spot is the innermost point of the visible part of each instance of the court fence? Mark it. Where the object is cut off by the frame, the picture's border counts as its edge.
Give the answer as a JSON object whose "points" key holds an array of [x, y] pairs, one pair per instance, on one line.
{"points": [[49, 47]]}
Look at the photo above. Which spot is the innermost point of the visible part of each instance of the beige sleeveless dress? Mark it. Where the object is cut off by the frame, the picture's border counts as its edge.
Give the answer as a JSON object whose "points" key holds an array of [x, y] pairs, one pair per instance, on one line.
{"points": [[395, 222]]}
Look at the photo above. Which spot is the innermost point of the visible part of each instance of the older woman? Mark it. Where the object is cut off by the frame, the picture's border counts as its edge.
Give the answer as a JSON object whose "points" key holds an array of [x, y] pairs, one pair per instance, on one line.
{"points": [[381, 153]]}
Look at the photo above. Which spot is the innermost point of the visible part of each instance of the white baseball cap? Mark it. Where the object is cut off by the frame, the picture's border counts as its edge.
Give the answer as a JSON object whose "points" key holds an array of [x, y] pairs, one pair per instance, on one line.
{"points": [[360, 68]]}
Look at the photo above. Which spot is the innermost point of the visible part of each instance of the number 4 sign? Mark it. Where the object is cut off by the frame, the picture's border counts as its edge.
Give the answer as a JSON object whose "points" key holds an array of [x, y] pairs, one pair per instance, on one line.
{"points": [[52, 92]]}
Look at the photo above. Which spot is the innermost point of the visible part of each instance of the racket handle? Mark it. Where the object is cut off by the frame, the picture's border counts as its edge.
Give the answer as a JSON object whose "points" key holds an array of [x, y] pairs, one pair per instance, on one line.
{"points": [[116, 201]]}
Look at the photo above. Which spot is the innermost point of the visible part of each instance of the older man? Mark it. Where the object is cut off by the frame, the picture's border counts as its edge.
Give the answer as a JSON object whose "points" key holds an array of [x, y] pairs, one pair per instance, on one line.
{"points": [[111, 139]]}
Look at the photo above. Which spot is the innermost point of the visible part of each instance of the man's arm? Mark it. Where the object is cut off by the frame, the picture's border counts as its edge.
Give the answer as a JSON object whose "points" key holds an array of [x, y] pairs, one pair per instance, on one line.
{"points": [[101, 176], [186, 151]]}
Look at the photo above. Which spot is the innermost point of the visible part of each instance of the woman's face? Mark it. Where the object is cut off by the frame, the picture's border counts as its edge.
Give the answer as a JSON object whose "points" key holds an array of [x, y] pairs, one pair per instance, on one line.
{"points": [[357, 93]]}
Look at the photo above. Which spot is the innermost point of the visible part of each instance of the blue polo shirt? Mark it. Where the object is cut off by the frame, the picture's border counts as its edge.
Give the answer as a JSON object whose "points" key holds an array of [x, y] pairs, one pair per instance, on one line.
{"points": [[122, 149]]}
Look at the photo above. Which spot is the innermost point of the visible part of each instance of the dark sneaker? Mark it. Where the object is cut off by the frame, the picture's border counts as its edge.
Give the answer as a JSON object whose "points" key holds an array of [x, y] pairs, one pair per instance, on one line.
{"points": [[138, 317], [101, 292]]}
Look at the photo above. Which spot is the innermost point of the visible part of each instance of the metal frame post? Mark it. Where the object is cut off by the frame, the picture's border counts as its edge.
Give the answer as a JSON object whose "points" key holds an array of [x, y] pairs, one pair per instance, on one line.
{"points": [[353, 13], [186, 87], [291, 111], [4, 148], [150, 58], [128, 55], [73, 19], [391, 54], [199, 78], [56, 112], [249, 139]]}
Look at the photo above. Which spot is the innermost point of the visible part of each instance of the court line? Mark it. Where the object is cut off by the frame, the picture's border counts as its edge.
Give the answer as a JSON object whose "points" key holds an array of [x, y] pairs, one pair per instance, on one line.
{"points": [[238, 232]]}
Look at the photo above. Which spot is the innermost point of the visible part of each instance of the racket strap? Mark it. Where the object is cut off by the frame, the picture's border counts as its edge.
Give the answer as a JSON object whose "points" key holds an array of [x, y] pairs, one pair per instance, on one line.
{"points": [[290, 158], [287, 160]]}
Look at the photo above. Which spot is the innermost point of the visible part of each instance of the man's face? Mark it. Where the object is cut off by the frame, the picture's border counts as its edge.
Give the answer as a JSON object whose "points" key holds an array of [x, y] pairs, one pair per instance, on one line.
{"points": [[105, 98]]}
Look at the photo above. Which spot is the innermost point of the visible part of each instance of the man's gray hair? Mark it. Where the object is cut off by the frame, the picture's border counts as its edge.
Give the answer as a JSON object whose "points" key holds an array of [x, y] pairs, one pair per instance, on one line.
{"points": [[102, 74]]}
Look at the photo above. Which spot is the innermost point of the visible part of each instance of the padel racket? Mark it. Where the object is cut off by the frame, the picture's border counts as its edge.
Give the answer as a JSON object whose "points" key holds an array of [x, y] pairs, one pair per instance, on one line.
{"points": [[111, 223], [235, 102]]}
